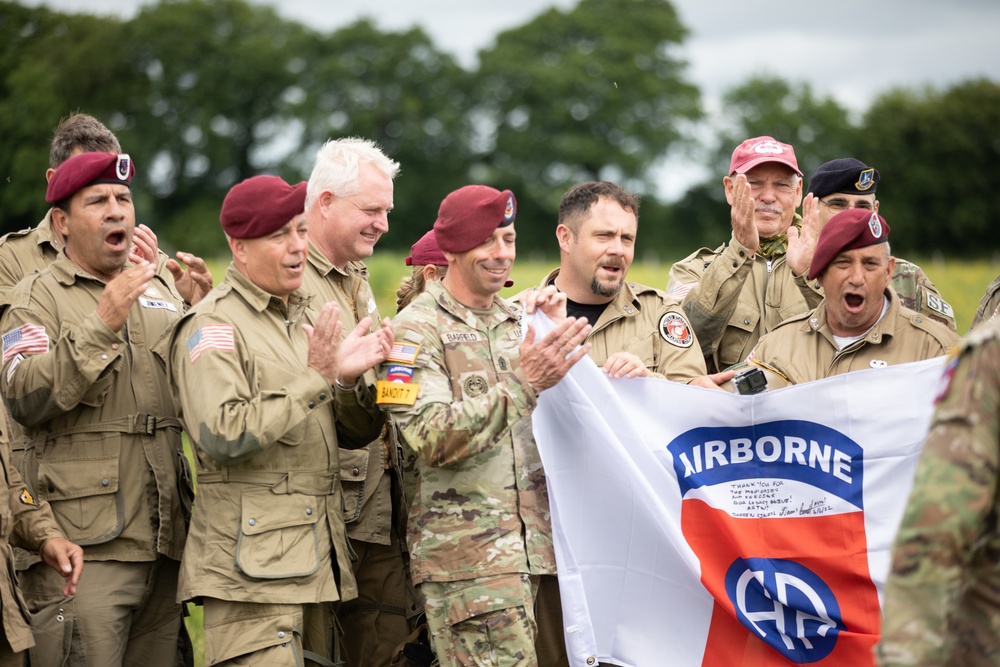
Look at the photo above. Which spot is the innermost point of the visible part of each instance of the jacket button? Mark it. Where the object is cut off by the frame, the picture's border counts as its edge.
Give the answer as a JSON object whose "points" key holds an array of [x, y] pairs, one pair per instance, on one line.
{"points": [[735, 263], [104, 357], [311, 405], [746, 321], [105, 482], [355, 472], [281, 634], [252, 522], [114, 346], [322, 397], [309, 511]]}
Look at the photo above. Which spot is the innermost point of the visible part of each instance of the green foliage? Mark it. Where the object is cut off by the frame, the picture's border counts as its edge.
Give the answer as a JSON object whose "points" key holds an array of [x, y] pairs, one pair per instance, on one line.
{"points": [[401, 91], [818, 128], [49, 64], [938, 154], [582, 94]]}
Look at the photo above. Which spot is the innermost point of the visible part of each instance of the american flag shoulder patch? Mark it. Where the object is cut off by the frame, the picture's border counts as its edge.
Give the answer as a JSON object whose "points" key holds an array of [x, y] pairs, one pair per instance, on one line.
{"points": [[210, 337], [26, 339], [403, 353], [680, 290]]}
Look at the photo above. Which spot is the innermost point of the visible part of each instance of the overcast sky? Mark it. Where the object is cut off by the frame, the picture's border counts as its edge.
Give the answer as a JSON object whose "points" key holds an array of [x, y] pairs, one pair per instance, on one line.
{"points": [[849, 49]]}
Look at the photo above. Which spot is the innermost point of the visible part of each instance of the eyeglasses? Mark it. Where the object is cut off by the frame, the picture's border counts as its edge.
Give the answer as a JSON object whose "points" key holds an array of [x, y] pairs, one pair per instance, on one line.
{"points": [[838, 205]]}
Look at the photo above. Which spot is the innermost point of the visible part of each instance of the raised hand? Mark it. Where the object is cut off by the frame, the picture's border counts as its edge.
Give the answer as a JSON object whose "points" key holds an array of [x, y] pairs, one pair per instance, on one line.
{"points": [[121, 292]]}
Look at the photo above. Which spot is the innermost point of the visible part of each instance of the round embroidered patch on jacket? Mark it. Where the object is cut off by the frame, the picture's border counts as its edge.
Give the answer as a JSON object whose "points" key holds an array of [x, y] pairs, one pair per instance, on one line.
{"points": [[675, 330]]}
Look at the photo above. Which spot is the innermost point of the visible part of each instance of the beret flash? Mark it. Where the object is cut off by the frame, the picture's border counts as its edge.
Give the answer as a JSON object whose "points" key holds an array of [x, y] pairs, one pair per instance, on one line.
{"points": [[261, 205], [470, 214], [759, 150], [86, 169], [426, 251], [850, 229], [846, 175]]}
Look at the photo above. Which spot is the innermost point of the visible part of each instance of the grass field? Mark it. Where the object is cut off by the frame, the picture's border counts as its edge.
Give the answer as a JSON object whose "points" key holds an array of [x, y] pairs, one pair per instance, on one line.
{"points": [[962, 283]]}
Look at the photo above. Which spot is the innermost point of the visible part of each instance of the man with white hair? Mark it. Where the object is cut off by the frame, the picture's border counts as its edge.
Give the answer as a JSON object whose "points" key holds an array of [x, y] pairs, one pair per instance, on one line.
{"points": [[348, 199]]}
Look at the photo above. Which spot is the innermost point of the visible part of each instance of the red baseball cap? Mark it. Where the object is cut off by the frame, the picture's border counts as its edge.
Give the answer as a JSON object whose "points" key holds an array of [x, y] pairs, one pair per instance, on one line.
{"points": [[260, 205], [86, 169], [759, 150], [850, 229]]}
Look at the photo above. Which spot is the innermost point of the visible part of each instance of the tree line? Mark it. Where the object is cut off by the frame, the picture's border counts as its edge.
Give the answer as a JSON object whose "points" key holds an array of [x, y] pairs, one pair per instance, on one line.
{"points": [[205, 93]]}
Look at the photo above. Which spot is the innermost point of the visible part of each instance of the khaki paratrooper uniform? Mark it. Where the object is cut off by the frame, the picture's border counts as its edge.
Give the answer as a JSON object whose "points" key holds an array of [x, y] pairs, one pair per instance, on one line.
{"points": [[267, 545], [104, 449], [803, 349]]}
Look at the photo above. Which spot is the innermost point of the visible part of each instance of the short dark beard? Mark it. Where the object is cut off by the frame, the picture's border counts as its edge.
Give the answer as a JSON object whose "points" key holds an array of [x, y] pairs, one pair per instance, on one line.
{"points": [[597, 289]]}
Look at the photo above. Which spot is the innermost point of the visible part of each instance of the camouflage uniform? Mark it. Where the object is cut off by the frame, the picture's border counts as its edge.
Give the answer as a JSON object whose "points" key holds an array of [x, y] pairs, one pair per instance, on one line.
{"points": [[802, 349], [478, 529], [918, 293], [376, 621], [733, 297], [942, 598], [989, 304]]}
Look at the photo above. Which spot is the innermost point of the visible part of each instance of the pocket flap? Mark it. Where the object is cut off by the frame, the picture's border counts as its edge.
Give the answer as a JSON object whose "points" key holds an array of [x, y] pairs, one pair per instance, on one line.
{"points": [[354, 464], [77, 477], [264, 511]]}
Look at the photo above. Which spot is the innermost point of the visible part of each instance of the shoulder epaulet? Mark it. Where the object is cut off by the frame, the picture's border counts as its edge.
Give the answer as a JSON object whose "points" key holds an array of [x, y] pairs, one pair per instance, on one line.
{"points": [[20, 295], [13, 235], [929, 325]]}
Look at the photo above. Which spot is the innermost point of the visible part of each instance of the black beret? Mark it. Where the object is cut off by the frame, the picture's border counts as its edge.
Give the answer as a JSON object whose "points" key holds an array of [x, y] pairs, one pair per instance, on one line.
{"points": [[850, 229], [845, 175], [260, 205], [86, 169]]}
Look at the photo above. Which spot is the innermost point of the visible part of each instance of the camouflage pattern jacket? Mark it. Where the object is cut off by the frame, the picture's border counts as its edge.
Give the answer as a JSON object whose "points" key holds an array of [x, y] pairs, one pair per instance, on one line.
{"points": [[942, 598], [918, 293], [989, 304], [802, 349], [267, 525], [481, 504]]}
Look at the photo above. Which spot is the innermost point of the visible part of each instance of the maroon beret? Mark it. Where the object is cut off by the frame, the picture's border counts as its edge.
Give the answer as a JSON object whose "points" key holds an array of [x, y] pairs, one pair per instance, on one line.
{"points": [[86, 169], [850, 229], [426, 251], [759, 150], [260, 205], [470, 214]]}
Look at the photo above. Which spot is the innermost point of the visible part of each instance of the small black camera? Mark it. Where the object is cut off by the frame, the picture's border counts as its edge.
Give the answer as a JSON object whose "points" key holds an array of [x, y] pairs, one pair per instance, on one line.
{"points": [[750, 381]]}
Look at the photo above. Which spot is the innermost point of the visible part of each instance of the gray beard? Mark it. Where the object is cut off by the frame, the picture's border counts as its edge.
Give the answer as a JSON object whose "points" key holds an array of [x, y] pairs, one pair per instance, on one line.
{"points": [[600, 290]]}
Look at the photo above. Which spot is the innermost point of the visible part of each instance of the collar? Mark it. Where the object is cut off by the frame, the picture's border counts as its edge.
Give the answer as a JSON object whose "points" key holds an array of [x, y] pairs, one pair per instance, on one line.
{"points": [[777, 245], [502, 309], [884, 329], [626, 302], [46, 235], [258, 299], [325, 267]]}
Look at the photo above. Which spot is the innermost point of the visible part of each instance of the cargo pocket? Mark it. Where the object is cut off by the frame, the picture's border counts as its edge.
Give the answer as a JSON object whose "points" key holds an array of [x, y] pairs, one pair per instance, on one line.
{"points": [[278, 535], [467, 603], [353, 471], [274, 638], [80, 481]]}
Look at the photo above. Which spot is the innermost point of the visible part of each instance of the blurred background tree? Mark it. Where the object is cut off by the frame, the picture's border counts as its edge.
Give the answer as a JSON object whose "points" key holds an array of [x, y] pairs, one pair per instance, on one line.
{"points": [[204, 93]]}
